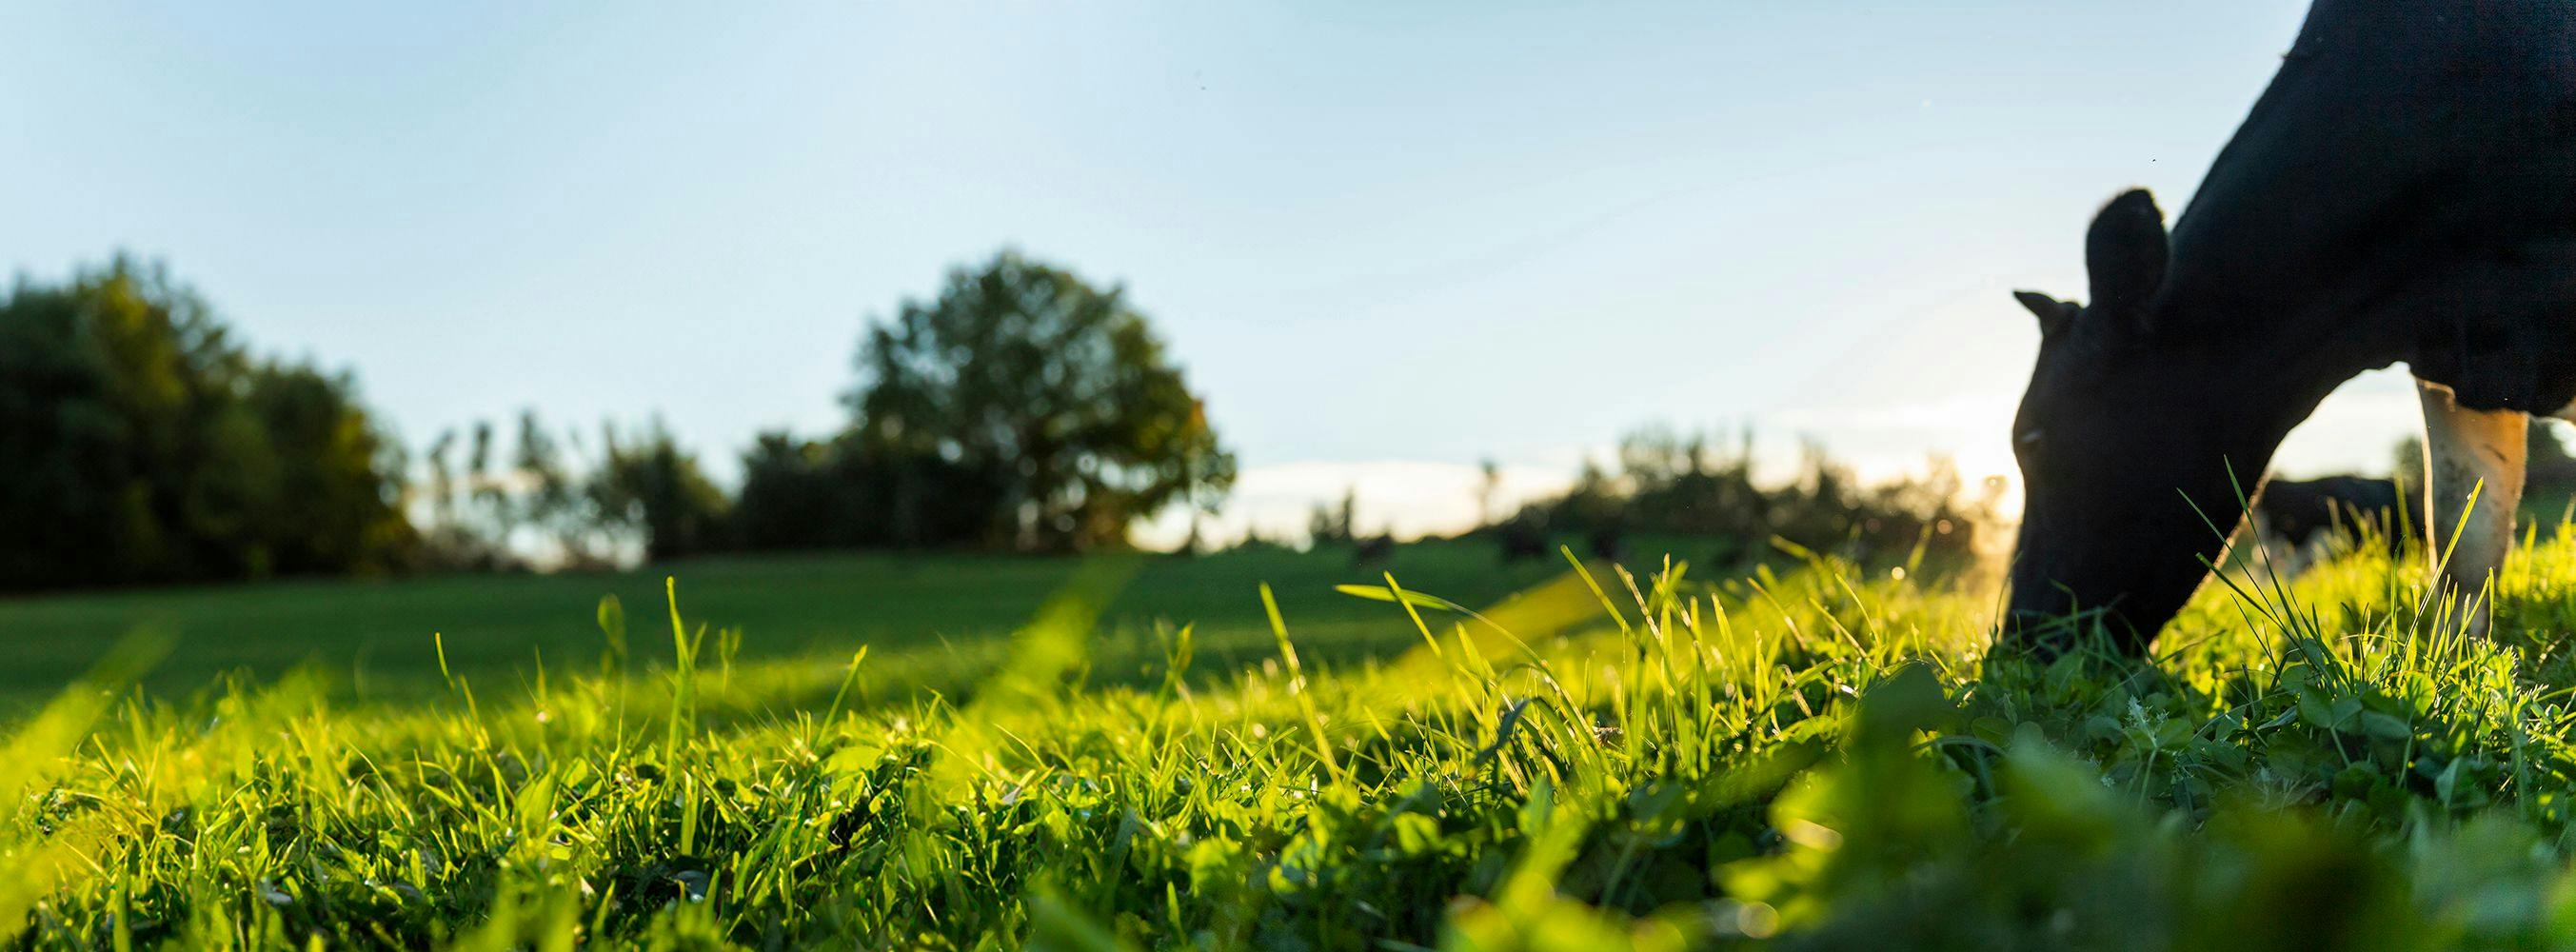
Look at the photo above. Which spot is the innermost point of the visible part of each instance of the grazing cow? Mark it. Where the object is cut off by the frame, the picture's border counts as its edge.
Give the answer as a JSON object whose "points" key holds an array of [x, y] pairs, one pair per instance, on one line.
{"points": [[2297, 520], [1521, 538], [1607, 543], [2405, 190], [1373, 551]]}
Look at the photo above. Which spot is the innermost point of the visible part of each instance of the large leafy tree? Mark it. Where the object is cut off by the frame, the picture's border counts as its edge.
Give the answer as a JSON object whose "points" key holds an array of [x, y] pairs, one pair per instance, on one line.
{"points": [[1045, 407], [139, 444]]}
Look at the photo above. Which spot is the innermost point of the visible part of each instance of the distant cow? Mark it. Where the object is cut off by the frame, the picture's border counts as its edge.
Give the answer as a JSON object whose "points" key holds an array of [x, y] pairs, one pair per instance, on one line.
{"points": [[1521, 538], [1607, 543], [2298, 520], [2405, 190], [1373, 551]]}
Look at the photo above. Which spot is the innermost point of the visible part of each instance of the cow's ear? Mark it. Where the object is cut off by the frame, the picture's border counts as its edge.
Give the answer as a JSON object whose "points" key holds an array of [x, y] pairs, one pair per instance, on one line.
{"points": [[2055, 316], [2126, 252]]}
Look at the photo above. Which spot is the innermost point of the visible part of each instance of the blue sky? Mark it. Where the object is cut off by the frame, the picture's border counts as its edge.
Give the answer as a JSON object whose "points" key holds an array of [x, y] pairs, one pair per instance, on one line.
{"points": [[1423, 235]]}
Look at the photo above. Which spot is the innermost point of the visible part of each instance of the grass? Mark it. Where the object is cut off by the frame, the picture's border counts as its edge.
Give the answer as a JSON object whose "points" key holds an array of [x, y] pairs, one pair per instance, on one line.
{"points": [[1820, 758], [937, 616]]}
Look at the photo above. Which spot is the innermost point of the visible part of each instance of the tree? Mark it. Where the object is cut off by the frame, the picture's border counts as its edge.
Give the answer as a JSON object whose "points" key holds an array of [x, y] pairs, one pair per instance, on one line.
{"points": [[337, 476], [451, 541], [552, 496], [1047, 408], [138, 443], [789, 498], [1335, 524], [1670, 484], [1489, 486], [647, 481]]}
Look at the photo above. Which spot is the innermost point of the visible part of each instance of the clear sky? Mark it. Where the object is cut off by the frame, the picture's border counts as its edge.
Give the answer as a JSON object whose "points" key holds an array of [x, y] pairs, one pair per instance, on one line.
{"points": [[1385, 239]]}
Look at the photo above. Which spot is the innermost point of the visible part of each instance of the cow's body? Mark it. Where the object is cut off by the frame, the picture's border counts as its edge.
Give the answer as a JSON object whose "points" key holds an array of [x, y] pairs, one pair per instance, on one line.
{"points": [[2405, 191], [2402, 192]]}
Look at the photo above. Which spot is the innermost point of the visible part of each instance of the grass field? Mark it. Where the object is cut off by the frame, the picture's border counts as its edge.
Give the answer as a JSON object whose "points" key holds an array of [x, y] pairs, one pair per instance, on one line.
{"points": [[937, 617], [1817, 759]]}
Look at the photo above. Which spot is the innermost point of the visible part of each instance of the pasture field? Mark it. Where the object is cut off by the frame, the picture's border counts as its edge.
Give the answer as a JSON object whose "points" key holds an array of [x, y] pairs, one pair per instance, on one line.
{"points": [[1818, 758], [938, 617]]}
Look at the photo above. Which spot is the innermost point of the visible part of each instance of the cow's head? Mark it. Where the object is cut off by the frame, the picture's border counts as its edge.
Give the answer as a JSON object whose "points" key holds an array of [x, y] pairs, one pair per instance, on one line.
{"points": [[2132, 445]]}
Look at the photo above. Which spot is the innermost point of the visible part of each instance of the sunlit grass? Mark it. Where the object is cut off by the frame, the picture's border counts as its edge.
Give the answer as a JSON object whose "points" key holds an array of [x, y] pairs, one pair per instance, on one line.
{"points": [[1817, 757]]}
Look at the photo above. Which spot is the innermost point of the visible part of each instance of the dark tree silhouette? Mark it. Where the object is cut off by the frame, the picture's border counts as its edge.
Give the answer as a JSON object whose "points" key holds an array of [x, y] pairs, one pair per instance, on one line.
{"points": [[1051, 406]]}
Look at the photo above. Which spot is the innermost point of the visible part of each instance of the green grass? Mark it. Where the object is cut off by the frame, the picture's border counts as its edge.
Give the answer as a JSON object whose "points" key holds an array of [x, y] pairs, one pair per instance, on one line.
{"points": [[938, 616], [1818, 759]]}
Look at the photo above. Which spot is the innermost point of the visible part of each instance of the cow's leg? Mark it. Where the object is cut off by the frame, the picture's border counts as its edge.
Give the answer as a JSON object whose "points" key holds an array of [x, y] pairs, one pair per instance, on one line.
{"points": [[2466, 450]]}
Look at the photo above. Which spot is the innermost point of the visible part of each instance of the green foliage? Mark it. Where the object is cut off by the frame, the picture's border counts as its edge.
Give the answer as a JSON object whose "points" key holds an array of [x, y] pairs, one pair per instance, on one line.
{"points": [[551, 505], [471, 512], [1022, 410], [1052, 399], [791, 498], [1667, 486], [1337, 524], [649, 482], [803, 494], [138, 443]]}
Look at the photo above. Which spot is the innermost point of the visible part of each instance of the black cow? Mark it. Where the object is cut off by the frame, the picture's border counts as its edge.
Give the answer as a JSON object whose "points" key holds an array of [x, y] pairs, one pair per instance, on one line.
{"points": [[1607, 544], [2296, 520], [2405, 190], [1373, 551], [1521, 538]]}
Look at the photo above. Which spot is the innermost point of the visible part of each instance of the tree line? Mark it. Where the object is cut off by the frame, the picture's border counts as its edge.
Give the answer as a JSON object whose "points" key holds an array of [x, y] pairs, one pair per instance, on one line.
{"points": [[140, 443], [1668, 484], [1021, 409], [1703, 500]]}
